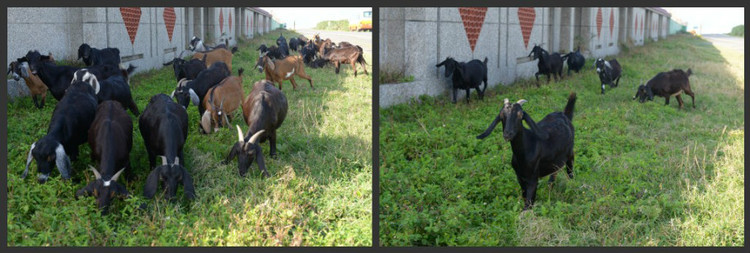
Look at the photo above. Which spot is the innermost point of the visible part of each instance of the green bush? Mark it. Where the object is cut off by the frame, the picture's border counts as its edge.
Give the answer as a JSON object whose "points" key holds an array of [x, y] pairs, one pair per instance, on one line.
{"points": [[333, 25], [738, 31]]}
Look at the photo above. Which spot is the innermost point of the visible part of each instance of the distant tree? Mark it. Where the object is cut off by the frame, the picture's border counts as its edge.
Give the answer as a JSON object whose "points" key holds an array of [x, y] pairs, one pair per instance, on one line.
{"points": [[738, 31]]}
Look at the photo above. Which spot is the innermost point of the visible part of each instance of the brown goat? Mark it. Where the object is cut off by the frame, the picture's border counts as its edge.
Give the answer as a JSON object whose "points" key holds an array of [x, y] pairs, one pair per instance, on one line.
{"points": [[216, 55], [350, 55], [220, 102], [36, 86], [277, 71]]}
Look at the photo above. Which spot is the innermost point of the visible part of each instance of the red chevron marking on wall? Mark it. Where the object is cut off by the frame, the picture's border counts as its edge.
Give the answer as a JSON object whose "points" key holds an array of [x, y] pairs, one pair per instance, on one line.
{"points": [[221, 21], [526, 17], [169, 18], [473, 18], [611, 22], [599, 23], [131, 16]]}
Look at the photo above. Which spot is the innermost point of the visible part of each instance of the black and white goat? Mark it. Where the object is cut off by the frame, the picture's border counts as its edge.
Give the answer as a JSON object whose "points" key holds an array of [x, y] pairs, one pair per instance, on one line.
{"points": [[195, 90], [70, 121], [113, 88], [609, 72], [549, 64], [466, 75], [540, 151], [164, 128]]}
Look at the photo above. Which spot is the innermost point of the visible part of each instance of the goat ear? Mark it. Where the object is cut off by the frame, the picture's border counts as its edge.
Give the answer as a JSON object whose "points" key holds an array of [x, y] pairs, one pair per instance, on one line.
{"points": [[194, 97], [121, 191], [152, 182], [271, 66], [28, 161], [62, 161], [260, 161], [232, 153], [85, 191], [489, 129], [187, 184], [206, 121]]}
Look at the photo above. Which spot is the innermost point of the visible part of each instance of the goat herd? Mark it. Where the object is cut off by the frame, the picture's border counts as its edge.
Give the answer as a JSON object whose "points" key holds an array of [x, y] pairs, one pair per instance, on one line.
{"points": [[547, 146], [92, 103]]}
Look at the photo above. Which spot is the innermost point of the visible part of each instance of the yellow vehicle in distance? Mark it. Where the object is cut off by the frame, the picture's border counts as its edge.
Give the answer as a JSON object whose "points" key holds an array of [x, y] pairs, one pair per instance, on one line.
{"points": [[362, 23]]}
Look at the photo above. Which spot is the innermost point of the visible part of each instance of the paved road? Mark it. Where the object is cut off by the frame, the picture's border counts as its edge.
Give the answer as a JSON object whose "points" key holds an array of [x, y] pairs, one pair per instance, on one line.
{"points": [[363, 39], [734, 43]]}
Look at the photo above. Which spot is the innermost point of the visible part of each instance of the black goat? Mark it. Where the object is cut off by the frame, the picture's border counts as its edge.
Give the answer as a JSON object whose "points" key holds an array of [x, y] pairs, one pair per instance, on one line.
{"points": [[294, 44], [164, 128], [187, 69], [309, 53], [609, 72], [56, 77], [110, 139], [538, 152], [264, 110], [195, 90], [549, 64], [92, 56], [466, 75], [666, 84], [70, 121], [113, 88], [575, 60], [283, 46]]}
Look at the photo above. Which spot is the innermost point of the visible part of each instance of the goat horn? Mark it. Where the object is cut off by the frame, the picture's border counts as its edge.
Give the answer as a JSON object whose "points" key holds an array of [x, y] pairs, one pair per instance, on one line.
{"points": [[506, 101], [521, 102], [256, 136], [163, 160], [117, 175], [96, 173], [177, 160], [239, 134]]}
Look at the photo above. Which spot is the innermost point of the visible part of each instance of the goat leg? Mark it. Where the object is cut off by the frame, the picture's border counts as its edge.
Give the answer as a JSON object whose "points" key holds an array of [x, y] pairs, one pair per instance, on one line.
{"points": [[35, 102], [569, 166], [666, 100], [294, 83], [602, 89], [454, 95], [272, 140], [679, 100], [468, 92], [530, 196], [551, 179]]}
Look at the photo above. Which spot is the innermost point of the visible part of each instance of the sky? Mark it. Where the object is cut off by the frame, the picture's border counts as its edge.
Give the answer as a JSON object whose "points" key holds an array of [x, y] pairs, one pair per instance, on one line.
{"points": [[309, 17], [710, 20]]}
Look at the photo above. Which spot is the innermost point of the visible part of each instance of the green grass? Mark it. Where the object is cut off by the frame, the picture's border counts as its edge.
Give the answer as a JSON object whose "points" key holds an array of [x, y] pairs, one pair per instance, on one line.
{"points": [[646, 174], [319, 192]]}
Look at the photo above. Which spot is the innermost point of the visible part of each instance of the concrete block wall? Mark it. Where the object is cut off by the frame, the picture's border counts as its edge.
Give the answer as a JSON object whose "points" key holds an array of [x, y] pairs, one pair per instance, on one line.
{"points": [[413, 40], [141, 34]]}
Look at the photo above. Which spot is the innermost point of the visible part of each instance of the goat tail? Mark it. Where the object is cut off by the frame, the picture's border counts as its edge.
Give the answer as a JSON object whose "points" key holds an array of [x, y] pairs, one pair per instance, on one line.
{"points": [[689, 72], [485, 61], [570, 106]]}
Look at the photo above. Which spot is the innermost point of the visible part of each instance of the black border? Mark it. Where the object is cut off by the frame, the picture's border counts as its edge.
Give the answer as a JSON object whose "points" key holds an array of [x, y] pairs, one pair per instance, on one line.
{"points": [[375, 113]]}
